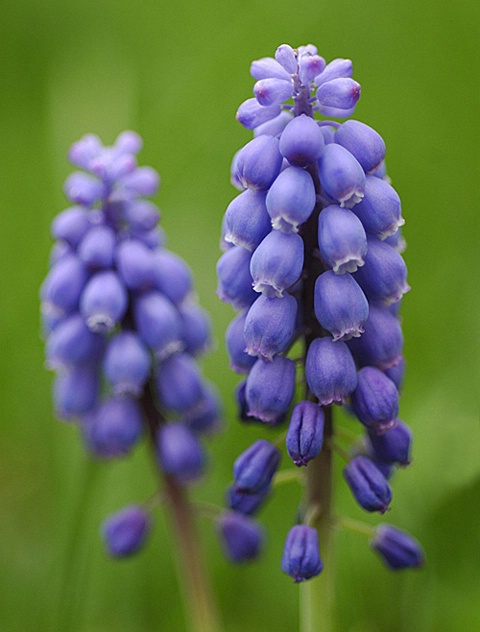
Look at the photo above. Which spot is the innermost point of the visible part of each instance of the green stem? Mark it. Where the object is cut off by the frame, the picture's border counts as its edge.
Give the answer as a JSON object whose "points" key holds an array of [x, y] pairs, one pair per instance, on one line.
{"points": [[199, 605], [317, 594]]}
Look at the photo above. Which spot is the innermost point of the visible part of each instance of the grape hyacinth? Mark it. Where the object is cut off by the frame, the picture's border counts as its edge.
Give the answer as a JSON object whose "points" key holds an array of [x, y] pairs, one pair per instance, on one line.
{"points": [[312, 263], [123, 331]]}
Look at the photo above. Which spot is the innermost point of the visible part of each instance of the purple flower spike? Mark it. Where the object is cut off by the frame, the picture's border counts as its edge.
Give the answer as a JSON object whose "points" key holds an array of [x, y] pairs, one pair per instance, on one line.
{"points": [[269, 326], [305, 432], [247, 221], [341, 239], [291, 199], [277, 263], [254, 469], [104, 301], [341, 176], [113, 428], [380, 209], [251, 114], [125, 532], [363, 142], [393, 446], [375, 400], [330, 371], [241, 537], [383, 278], [369, 486], [179, 452], [258, 163], [301, 142], [340, 93], [270, 388], [301, 555], [397, 548], [340, 305]]}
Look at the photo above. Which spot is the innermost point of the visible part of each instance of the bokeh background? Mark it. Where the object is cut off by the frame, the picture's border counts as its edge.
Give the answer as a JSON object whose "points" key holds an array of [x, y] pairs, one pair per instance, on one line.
{"points": [[176, 72]]}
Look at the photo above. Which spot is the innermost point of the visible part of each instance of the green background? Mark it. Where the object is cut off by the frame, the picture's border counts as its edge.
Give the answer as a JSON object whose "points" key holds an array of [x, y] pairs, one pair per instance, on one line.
{"points": [[176, 73]]}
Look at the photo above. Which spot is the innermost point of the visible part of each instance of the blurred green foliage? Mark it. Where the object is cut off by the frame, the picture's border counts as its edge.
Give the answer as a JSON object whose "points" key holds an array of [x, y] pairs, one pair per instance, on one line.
{"points": [[176, 72]]}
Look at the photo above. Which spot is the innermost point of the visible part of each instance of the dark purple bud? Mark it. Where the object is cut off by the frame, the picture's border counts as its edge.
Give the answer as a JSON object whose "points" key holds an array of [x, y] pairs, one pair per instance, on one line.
{"points": [[251, 114], [341, 175], [97, 247], [382, 341], [71, 225], [240, 361], [135, 264], [337, 68], [393, 446], [270, 388], [104, 301], [272, 91], [82, 188], [206, 417], [305, 432], [234, 278], [241, 537], [179, 452], [270, 326], [341, 307], [247, 221], [375, 400], [126, 363], [179, 383], [397, 548], [71, 343], [340, 93], [75, 391], [246, 502], [363, 142], [383, 278], [243, 410], [125, 532], [301, 142], [64, 284], [380, 210], [330, 371], [369, 486], [258, 163], [254, 469], [277, 263], [196, 328], [341, 239], [171, 275], [113, 428], [291, 199], [301, 555], [158, 324], [397, 373]]}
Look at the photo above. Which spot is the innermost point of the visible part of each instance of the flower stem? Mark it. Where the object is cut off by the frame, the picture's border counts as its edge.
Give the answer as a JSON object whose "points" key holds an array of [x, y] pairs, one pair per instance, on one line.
{"points": [[317, 594], [199, 605]]}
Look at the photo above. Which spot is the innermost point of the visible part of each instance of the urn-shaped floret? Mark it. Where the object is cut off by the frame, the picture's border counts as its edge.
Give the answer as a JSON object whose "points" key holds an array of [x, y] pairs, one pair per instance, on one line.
{"points": [[397, 548], [241, 537], [369, 486], [270, 388], [301, 555], [305, 432], [330, 371], [125, 532], [254, 469]]}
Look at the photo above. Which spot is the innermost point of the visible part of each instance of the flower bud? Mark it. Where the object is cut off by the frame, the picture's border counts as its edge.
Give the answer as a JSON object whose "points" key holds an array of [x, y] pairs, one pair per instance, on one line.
{"points": [[301, 142], [246, 502], [369, 486], [393, 446], [337, 68], [81, 188], [341, 93], [251, 114], [180, 453], [341, 239], [171, 275], [301, 556], [71, 225], [125, 531], [397, 548], [97, 247], [64, 284], [126, 363], [104, 301], [341, 176], [270, 326], [277, 263], [247, 221], [291, 199], [240, 361], [234, 278], [305, 432], [270, 388], [363, 142], [258, 163], [134, 263], [75, 391], [241, 537], [375, 400], [287, 58], [179, 383], [330, 371], [158, 324], [272, 91], [196, 328], [380, 209], [71, 343], [254, 469]]}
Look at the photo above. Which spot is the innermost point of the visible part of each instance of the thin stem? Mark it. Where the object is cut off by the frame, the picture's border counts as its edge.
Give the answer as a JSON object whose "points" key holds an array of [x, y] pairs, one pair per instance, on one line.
{"points": [[287, 476], [354, 525], [199, 606]]}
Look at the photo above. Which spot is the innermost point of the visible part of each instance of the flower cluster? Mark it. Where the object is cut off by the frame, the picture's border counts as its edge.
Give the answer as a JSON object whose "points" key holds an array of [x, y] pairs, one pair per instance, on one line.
{"points": [[312, 253], [122, 325]]}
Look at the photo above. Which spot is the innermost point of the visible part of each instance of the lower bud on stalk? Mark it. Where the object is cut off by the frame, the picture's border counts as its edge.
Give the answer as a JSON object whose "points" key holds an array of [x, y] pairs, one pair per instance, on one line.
{"points": [[301, 555], [125, 531], [397, 548]]}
